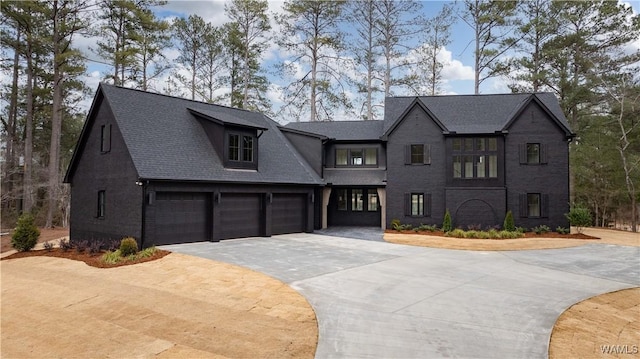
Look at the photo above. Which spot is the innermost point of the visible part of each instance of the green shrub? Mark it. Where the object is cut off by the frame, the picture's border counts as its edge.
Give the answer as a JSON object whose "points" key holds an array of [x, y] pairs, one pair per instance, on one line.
{"points": [[509, 224], [446, 223], [541, 229], [563, 230], [395, 223], [112, 257], [425, 228], [510, 234], [456, 233], [579, 217], [128, 246], [26, 235]]}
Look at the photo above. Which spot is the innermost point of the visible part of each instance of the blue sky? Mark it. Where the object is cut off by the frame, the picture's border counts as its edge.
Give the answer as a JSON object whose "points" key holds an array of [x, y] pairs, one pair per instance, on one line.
{"points": [[458, 73]]}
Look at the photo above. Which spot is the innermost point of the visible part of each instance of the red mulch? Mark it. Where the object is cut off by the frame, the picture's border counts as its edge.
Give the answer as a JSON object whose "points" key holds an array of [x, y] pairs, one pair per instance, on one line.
{"points": [[90, 259], [526, 235]]}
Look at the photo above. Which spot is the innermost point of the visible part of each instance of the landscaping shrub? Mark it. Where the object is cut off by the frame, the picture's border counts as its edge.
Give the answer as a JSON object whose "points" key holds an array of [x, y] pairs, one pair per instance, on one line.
{"points": [[426, 228], [65, 244], [521, 230], [95, 246], [579, 217], [81, 245], [563, 230], [456, 233], [541, 229], [395, 223], [509, 224], [26, 235], [112, 245], [128, 246], [446, 223], [112, 257], [48, 246], [474, 227]]}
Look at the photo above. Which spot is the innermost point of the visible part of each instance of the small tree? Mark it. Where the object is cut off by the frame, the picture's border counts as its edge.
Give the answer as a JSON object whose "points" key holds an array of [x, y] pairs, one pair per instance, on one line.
{"points": [[579, 217], [508, 224], [26, 235], [446, 223]]}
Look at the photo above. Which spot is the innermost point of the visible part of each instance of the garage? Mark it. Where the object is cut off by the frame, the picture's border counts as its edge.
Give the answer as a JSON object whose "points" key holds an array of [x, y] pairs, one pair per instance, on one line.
{"points": [[241, 215], [182, 217], [289, 213]]}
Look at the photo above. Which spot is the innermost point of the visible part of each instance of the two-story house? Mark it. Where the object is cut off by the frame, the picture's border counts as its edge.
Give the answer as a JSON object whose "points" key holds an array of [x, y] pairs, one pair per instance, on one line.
{"points": [[167, 170]]}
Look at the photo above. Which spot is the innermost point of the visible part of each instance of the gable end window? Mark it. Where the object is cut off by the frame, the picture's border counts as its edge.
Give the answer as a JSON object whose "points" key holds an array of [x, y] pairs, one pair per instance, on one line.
{"points": [[534, 205], [105, 138], [417, 204], [101, 204], [417, 154], [533, 153]]}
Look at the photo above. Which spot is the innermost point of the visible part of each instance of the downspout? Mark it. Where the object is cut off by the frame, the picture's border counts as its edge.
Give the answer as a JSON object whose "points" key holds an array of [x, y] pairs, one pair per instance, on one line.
{"points": [[143, 207]]}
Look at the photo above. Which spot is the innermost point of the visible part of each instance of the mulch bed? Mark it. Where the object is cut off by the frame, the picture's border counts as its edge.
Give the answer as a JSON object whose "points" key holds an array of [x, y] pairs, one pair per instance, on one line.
{"points": [[93, 260], [526, 235]]}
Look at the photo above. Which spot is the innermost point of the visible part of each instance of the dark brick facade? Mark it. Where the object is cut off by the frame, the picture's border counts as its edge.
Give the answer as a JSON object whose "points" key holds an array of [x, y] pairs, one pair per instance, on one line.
{"points": [[112, 172]]}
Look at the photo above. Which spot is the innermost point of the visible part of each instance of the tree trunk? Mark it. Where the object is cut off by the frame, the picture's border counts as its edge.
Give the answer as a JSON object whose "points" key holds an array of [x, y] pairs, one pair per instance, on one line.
{"points": [[27, 203], [56, 119]]}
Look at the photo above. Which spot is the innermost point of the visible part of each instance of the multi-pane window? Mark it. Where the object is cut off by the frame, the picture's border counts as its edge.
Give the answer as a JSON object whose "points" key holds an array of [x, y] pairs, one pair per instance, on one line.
{"points": [[475, 158], [234, 147], [356, 157], [417, 154], [101, 204], [357, 200], [372, 200], [533, 153], [342, 199], [417, 204], [533, 205], [240, 148], [105, 138], [247, 148]]}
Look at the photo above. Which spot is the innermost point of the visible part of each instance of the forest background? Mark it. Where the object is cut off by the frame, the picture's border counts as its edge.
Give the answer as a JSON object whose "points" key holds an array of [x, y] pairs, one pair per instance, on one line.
{"points": [[318, 61]]}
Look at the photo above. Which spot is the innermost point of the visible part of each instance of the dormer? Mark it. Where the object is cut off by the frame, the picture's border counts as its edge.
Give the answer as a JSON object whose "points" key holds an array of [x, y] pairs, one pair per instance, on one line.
{"points": [[234, 139]]}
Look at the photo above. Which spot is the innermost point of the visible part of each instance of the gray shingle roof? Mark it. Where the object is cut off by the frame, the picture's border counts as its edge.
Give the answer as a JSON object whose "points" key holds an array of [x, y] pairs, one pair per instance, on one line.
{"points": [[472, 114], [167, 142], [342, 130]]}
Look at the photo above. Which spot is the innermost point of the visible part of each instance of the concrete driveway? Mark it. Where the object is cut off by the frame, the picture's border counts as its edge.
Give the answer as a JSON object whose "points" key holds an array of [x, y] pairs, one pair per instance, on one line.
{"points": [[381, 300]]}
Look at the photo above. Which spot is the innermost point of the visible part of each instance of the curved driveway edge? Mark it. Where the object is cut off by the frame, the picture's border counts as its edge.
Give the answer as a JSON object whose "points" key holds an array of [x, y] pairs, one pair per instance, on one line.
{"points": [[379, 300]]}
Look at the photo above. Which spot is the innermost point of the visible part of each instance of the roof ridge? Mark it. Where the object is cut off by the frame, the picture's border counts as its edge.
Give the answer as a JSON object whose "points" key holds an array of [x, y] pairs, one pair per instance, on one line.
{"points": [[151, 92]]}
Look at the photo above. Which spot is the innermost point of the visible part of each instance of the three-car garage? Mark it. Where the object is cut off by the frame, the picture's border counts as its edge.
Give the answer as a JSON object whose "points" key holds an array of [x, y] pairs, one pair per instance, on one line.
{"points": [[182, 217]]}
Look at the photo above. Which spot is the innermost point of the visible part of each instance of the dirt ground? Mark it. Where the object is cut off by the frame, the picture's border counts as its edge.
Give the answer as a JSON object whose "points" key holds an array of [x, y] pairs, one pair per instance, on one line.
{"points": [[586, 328], [176, 306], [182, 306], [606, 236]]}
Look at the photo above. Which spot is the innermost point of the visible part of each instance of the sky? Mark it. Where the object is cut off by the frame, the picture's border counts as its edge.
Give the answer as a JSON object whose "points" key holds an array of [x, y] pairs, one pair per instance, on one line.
{"points": [[457, 73]]}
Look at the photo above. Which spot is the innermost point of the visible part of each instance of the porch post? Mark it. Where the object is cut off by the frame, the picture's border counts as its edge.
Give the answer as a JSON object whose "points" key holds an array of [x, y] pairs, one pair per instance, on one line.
{"points": [[326, 194], [382, 197]]}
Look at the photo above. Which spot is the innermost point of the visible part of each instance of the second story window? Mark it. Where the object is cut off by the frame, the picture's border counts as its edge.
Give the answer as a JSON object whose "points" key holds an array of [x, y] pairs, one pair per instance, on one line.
{"points": [[533, 154], [475, 158], [241, 148], [354, 157], [105, 138]]}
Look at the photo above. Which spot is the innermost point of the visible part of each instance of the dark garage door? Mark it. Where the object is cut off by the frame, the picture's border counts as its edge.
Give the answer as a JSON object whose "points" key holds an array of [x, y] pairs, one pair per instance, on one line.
{"points": [[289, 213], [182, 217], [241, 215]]}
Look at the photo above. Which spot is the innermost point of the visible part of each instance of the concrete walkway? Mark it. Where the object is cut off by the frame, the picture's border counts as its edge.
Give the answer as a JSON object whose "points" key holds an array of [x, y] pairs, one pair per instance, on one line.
{"points": [[381, 300]]}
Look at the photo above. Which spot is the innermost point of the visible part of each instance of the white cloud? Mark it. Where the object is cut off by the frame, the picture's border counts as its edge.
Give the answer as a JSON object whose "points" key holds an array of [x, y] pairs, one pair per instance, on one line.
{"points": [[210, 10]]}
